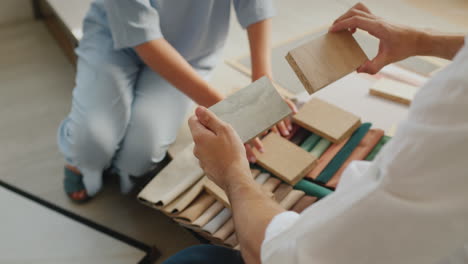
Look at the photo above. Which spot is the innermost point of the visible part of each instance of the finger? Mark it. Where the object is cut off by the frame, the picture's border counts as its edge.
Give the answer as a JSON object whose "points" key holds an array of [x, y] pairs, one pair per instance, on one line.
{"points": [[274, 129], [197, 129], [282, 128], [250, 155], [292, 106], [353, 12], [257, 143], [375, 65], [287, 121], [362, 7], [370, 25], [209, 119]]}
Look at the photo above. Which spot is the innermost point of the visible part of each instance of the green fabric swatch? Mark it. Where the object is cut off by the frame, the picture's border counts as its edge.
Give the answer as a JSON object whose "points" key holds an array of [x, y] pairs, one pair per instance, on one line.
{"points": [[377, 148], [312, 189], [343, 154], [310, 142], [320, 148]]}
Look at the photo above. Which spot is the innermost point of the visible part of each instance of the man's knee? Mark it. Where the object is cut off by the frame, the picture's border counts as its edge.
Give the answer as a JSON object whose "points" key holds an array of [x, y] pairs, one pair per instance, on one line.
{"points": [[206, 254]]}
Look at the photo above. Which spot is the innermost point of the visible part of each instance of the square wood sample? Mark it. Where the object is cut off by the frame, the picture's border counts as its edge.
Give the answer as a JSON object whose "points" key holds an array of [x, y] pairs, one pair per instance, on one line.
{"points": [[327, 120], [285, 159], [326, 59]]}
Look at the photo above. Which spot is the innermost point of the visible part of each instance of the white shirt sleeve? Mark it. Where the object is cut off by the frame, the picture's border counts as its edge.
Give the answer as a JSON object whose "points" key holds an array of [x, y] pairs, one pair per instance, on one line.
{"points": [[408, 206]]}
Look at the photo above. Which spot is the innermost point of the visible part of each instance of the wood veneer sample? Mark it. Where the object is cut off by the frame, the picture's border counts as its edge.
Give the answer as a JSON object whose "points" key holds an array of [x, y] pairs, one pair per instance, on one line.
{"points": [[394, 90], [359, 153], [303, 203], [179, 175], [326, 59], [284, 159], [219, 193], [326, 157], [179, 204], [252, 110], [195, 209], [231, 240], [213, 189], [290, 199], [327, 120], [208, 214], [282, 191], [226, 230], [271, 184]]}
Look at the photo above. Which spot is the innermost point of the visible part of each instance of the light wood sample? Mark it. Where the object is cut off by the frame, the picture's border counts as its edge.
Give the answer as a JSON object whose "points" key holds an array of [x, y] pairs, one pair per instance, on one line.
{"points": [[213, 189], [284, 159], [181, 173], [394, 90], [196, 208], [252, 110], [326, 59], [327, 120]]}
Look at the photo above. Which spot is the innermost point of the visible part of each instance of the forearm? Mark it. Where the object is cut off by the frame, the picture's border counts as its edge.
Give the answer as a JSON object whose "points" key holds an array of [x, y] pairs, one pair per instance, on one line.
{"points": [[252, 210], [260, 48], [162, 58], [439, 45]]}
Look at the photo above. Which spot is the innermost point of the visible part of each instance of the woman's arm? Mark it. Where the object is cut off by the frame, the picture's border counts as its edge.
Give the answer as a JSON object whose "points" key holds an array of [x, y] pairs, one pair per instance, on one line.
{"points": [[160, 56]]}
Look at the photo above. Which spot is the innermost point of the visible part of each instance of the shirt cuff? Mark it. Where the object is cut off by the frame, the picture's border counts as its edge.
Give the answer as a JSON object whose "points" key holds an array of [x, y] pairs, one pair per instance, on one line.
{"points": [[279, 223]]}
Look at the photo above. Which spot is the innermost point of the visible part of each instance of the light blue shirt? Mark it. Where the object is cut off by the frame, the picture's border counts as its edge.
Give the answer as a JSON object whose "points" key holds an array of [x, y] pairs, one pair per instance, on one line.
{"points": [[197, 29]]}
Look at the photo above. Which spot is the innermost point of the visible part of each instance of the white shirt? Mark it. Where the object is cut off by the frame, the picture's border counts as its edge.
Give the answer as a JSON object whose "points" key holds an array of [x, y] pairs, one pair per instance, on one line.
{"points": [[408, 206]]}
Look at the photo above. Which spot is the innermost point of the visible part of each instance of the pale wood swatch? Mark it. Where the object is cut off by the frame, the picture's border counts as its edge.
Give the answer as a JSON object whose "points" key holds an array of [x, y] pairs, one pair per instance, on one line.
{"points": [[253, 109], [394, 90], [200, 205], [181, 173], [213, 189], [209, 214], [327, 120], [326, 59], [291, 199], [284, 159], [185, 198]]}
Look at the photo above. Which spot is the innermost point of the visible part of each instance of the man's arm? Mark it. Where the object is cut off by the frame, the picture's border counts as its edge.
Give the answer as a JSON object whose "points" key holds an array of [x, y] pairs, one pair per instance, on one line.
{"points": [[397, 42], [252, 209], [162, 58]]}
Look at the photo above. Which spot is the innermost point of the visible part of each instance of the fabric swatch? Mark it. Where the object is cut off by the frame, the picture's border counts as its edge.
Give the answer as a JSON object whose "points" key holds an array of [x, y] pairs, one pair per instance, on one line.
{"points": [[343, 154], [377, 148], [310, 142], [303, 203], [312, 189], [320, 147], [326, 157]]}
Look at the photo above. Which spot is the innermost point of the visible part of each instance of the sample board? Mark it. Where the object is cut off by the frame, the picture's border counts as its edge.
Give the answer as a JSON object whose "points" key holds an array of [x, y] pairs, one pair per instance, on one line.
{"points": [[284, 159], [326, 59], [394, 90], [327, 120], [252, 110]]}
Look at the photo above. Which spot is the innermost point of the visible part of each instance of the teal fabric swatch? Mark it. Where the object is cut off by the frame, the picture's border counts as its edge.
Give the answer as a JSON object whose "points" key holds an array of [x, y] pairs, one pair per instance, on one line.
{"points": [[377, 148], [320, 147], [312, 189], [310, 142], [343, 154]]}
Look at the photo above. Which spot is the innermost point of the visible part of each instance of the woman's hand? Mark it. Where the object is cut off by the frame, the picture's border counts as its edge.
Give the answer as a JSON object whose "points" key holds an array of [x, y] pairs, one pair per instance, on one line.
{"points": [[396, 42], [218, 148]]}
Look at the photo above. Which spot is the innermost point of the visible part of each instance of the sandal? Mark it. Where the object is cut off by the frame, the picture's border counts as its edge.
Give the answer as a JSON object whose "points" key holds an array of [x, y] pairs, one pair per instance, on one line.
{"points": [[73, 183]]}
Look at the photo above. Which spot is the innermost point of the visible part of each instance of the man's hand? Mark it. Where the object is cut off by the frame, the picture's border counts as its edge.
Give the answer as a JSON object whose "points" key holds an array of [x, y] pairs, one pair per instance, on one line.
{"points": [[218, 148], [396, 42]]}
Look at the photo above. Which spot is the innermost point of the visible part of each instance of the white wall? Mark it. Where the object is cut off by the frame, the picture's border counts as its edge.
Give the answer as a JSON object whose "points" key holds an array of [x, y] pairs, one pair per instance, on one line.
{"points": [[15, 10]]}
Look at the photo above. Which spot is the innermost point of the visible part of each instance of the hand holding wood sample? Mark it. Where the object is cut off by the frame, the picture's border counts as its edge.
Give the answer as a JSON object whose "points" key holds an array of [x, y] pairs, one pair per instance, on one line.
{"points": [[326, 59]]}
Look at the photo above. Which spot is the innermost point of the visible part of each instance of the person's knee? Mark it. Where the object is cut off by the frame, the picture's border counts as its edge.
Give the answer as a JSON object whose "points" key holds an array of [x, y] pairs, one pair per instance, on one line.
{"points": [[91, 140]]}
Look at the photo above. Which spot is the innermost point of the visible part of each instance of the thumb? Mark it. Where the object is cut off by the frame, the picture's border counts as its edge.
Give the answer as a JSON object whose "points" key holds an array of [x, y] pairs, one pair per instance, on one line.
{"points": [[209, 119], [375, 65]]}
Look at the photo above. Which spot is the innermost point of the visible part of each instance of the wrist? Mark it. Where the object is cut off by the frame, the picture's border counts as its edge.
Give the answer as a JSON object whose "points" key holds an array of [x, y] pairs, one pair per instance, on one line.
{"points": [[238, 178]]}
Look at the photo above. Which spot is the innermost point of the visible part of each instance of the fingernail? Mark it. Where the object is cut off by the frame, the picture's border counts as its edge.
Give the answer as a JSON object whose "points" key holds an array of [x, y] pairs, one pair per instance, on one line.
{"points": [[253, 159], [261, 150], [286, 133], [290, 128]]}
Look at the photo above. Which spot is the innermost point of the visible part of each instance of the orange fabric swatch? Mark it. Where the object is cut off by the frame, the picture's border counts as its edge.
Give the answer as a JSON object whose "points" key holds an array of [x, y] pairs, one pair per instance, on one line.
{"points": [[359, 153], [325, 159]]}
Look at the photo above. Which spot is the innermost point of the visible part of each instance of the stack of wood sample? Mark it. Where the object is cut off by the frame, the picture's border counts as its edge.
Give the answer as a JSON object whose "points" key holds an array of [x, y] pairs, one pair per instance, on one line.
{"points": [[315, 161]]}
